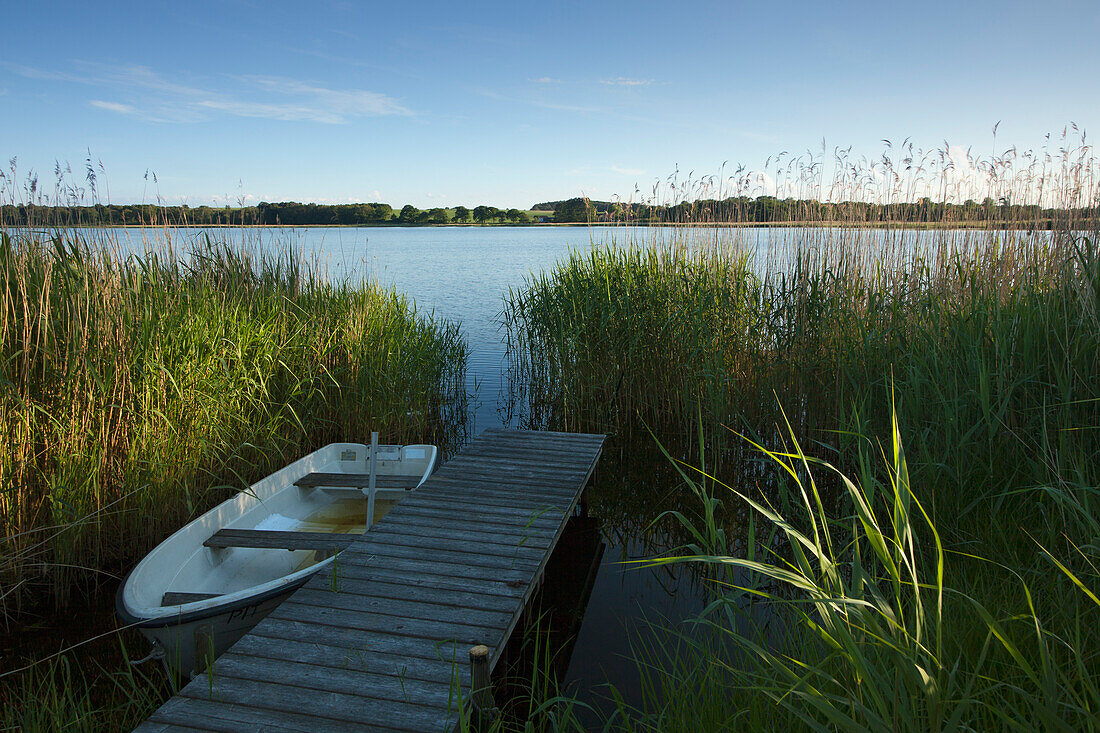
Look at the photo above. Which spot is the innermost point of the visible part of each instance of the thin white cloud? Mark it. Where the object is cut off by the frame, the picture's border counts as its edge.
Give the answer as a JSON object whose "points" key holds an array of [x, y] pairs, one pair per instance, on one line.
{"points": [[151, 96], [545, 80], [122, 109], [292, 112], [343, 102], [621, 81], [627, 171]]}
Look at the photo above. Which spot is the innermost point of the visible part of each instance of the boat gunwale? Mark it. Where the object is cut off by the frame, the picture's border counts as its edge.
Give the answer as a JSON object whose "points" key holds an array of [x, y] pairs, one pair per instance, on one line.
{"points": [[178, 614]]}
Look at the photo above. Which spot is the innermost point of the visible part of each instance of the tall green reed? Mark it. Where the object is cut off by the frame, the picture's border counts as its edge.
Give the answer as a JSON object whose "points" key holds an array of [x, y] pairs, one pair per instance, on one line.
{"points": [[982, 344], [60, 694], [869, 612], [140, 390]]}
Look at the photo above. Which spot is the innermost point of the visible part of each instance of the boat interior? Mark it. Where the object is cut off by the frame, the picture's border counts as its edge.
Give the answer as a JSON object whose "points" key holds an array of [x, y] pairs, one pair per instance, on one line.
{"points": [[279, 529]]}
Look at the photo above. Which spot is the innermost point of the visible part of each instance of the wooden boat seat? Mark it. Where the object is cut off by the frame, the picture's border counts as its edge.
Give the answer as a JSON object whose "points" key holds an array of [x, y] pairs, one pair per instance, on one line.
{"points": [[355, 481], [273, 539], [176, 598]]}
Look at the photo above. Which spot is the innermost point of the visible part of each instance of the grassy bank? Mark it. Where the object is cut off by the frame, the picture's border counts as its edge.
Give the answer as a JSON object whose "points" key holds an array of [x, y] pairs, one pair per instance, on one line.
{"points": [[973, 562], [139, 391]]}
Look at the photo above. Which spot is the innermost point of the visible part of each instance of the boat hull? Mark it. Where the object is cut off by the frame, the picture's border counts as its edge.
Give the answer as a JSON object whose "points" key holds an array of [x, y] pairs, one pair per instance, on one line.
{"points": [[188, 642], [193, 600]]}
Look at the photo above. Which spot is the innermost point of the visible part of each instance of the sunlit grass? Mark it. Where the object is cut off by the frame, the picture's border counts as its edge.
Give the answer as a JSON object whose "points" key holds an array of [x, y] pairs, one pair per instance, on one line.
{"points": [[871, 624], [141, 390], [949, 585]]}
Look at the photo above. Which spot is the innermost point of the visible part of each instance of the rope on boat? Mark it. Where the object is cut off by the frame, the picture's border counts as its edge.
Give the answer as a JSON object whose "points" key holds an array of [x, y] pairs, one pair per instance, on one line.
{"points": [[157, 652]]}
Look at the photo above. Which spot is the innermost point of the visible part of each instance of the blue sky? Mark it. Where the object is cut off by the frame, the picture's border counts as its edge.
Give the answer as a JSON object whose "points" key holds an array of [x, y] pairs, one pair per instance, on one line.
{"points": [[439, 104]]}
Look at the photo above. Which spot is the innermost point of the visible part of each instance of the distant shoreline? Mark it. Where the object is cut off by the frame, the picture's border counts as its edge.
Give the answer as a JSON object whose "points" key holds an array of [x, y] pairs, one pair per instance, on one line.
{"points": [[1043, 225]]}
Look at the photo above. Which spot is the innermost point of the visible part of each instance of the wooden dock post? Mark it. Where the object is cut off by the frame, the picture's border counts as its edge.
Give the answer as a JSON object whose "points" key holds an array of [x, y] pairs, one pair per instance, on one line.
{"points": [[481, 684]]}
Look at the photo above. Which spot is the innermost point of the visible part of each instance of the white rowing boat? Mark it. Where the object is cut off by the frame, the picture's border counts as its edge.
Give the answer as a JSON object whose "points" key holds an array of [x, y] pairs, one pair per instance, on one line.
{"points": [[205, 586]]}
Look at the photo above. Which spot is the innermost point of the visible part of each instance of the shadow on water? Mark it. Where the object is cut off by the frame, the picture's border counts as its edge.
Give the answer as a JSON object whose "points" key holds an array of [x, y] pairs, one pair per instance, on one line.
{"points": [[597, 603], [642, 508]]}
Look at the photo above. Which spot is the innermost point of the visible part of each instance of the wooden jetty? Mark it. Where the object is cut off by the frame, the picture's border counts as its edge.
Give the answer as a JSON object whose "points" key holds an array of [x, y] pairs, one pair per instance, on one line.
{"points": [[384, 640]]}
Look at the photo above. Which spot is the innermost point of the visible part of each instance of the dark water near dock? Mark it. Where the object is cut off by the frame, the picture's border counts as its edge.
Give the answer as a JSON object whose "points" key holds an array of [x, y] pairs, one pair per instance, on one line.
{"points": [[461, 274], [603, 604]]}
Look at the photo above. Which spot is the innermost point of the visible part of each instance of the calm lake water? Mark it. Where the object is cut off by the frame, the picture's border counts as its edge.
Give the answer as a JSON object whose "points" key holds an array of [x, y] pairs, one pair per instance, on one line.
{"points": [[461, 274]]}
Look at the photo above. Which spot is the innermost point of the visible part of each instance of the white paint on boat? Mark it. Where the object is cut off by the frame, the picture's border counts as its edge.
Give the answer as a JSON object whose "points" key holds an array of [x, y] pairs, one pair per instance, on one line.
{"points": [[248, 583]]}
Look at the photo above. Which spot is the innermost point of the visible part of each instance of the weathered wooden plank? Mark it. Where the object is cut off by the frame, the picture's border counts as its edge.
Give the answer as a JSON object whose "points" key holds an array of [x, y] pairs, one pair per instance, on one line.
{"points": [[460, 504], [515, 547], [464, 599], [279, 540], [530, 472], [224, 719], [521, 454], [471, 467], [365, 553], [526, 524], [413, 563], [466, 517], [550, 444], [363, 584], [357, 658], [347, 597], [358, 683], [517, 550], [484, 534], [501, 486], [541, 518], [429, 581], [455, 537], [486, 475], [294, 610], [385, 645], [325, 706], [534, 501], [445, 502], [533, 459], [517, 531], [210, 715], [523, 495], [176, 598], [490, 469]]}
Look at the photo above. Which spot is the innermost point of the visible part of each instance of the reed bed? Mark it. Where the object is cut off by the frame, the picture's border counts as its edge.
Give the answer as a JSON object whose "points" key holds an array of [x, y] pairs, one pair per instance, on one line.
{"points": [[976, 348], [141, 390], [63, 693], [871, 623]]}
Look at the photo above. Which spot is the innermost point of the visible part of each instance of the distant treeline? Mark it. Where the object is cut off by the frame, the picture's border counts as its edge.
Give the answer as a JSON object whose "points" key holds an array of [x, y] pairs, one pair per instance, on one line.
{"points": [[769, 209], [759, 210], [286, 213]]}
